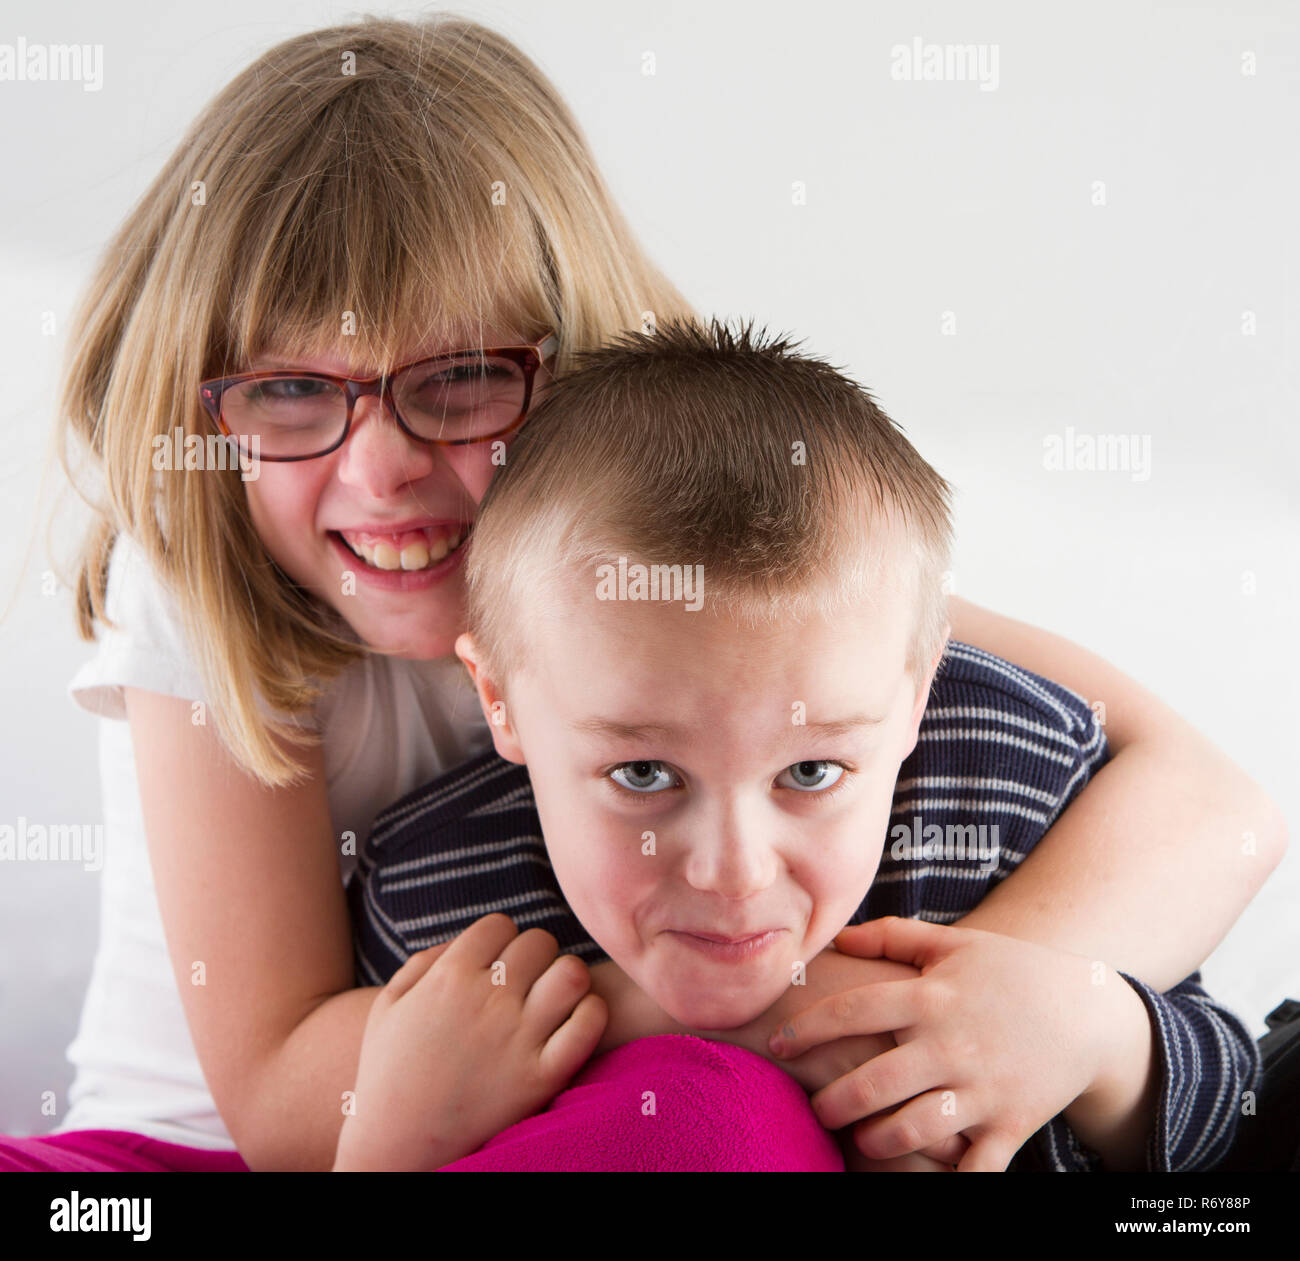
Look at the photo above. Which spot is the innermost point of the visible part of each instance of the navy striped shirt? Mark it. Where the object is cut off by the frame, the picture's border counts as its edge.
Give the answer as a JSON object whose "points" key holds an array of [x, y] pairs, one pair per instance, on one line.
{"points": [[1000, 754]]}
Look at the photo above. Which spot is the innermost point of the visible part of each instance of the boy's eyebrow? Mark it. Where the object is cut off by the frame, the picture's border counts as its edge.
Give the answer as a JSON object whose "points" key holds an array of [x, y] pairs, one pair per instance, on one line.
{"points": [[652, 730]]}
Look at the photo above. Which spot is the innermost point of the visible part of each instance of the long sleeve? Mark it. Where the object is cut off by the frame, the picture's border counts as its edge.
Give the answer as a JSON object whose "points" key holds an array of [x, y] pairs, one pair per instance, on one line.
{"points": [[1207, 1062]]}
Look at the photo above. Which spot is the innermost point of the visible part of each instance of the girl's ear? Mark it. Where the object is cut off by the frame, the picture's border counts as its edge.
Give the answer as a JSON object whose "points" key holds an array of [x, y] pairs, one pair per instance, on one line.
{"points": [[492, 700]]}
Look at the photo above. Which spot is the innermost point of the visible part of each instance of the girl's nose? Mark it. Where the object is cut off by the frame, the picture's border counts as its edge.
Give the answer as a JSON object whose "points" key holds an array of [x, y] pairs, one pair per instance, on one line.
{"points": [[378, 456], [732, 856]]}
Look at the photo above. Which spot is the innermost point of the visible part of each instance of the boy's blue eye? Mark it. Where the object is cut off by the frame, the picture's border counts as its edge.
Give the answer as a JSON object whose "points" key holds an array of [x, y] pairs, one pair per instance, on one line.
{"points": [[811, 776], [643, 777]]}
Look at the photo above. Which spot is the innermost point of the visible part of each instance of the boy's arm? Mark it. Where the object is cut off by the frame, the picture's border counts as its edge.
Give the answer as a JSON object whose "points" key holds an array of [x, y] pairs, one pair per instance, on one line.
{"points": [[1168, 813], [1173, 1105]]}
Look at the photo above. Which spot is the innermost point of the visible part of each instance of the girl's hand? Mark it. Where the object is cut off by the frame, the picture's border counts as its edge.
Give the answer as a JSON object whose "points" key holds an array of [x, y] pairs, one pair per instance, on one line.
{"points": [[466, 1039], [941, 1158], [856, 1162], [633, 1014], [995, 1038]]}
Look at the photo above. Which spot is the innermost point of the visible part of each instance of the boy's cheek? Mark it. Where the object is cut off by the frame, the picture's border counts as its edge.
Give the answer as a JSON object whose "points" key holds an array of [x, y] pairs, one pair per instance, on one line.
{"points": [[614, 894], [838, 888]]}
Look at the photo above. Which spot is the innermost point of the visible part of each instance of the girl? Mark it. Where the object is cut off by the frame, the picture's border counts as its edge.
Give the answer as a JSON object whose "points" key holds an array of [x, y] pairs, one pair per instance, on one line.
{"points": [[396, 198]]}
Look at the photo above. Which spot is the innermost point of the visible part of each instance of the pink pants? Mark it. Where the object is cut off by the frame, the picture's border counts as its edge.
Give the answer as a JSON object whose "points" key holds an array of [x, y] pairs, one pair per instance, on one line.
{"points": [[664, 1103], [110, 1151]]}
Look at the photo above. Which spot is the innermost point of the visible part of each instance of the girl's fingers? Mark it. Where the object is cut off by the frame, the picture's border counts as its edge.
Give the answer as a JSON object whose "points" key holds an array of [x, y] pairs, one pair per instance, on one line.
{"points": [[949, 1151], [990, 1152], [880, 1083], [919, 1124], [914, 1163], [413, 969], [475, 949], [554, 995], [483, 942], [525, 959], [882, 1007], [913, 941], [572, 1044]]}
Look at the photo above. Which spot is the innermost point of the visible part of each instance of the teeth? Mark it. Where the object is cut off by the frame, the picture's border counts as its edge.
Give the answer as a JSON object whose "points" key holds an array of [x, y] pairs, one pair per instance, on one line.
{"points": [[415, 556]]}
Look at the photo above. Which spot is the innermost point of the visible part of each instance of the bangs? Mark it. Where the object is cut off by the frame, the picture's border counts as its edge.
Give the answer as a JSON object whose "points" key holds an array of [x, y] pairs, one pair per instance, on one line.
{"points": [[364, 248]]}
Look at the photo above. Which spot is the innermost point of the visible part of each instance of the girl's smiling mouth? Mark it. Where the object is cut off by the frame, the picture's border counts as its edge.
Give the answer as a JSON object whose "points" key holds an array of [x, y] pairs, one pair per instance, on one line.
{"points": [[409, 558]]}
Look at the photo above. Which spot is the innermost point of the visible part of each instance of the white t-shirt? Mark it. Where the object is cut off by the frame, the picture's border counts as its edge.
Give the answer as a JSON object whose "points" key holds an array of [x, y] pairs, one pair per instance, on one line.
{"points": [[388, 725]]}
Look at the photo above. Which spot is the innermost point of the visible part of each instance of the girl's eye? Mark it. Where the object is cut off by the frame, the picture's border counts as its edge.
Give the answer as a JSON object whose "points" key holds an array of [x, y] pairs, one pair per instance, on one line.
{"points": [[811, 776], [465, 373], [643, 777], [289, 389]]}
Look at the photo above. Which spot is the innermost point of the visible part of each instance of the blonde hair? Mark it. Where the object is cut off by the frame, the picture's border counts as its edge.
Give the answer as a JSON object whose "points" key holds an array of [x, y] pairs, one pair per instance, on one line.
{"points": [[419, 178], [706, 446]]}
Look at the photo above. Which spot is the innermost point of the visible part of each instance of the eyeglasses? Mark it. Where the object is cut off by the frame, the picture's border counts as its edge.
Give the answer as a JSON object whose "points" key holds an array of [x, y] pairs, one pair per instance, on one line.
{"points": [[467, 396]]}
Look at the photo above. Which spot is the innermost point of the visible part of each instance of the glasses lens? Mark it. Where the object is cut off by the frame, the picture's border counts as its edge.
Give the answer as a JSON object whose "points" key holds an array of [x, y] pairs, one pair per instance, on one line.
{"points": [[461, 399], [287, 415]]}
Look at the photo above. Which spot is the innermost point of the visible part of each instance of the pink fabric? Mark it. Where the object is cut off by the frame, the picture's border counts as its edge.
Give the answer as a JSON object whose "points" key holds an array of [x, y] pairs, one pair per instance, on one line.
{"points": [[110, 1151], [665, 1103], [668, 1103]]}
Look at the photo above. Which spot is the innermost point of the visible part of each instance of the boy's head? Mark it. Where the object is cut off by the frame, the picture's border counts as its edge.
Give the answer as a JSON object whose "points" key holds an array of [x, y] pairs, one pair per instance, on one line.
{"points": [[706, 605]]}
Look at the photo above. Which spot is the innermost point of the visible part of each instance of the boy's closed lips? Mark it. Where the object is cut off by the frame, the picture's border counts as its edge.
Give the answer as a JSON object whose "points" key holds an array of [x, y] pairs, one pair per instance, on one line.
{"points": [[728, 949]]}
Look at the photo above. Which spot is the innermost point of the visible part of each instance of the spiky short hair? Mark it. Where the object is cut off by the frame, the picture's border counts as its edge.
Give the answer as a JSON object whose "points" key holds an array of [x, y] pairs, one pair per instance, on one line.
{"points": [[719, 447]]}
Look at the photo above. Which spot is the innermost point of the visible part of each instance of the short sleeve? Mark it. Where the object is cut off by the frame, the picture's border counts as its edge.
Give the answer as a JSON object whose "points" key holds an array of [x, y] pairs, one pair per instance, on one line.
{"points": [[144, 648]]}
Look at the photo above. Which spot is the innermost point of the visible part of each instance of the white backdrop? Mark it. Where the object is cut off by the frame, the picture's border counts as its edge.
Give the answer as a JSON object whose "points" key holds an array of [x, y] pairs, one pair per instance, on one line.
{"points": [[1103, 239]]}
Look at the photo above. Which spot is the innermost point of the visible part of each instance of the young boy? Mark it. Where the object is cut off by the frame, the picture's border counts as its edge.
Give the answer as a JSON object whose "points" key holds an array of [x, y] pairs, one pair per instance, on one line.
{"points": [[707, 612]]}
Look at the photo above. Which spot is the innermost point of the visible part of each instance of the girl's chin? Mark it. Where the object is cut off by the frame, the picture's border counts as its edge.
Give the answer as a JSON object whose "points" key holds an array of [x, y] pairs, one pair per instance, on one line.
{"points": [[420, 630], [414, 643], [422, 649]]}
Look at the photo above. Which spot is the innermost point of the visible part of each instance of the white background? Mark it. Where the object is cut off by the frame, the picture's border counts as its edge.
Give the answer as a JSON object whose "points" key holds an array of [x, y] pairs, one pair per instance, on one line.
{"points": [[922, 198]]}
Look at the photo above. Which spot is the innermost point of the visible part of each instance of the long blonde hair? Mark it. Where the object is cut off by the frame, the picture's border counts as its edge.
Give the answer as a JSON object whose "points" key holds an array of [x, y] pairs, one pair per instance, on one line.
{"points": [[417, 178]]}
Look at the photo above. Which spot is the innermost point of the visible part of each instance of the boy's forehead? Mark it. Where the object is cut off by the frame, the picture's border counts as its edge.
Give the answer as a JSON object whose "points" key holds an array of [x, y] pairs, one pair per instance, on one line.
{"points": [[621, 596], [645, 662]]}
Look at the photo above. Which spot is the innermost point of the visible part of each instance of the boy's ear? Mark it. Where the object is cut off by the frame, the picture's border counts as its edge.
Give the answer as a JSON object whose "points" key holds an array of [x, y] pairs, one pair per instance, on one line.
{"points": [[923, 695], [492, 701]]}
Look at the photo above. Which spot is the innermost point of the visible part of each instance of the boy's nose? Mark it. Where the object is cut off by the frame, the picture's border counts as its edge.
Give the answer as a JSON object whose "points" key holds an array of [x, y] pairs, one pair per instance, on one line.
{"points": [[732, 858], [378, 455]]}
